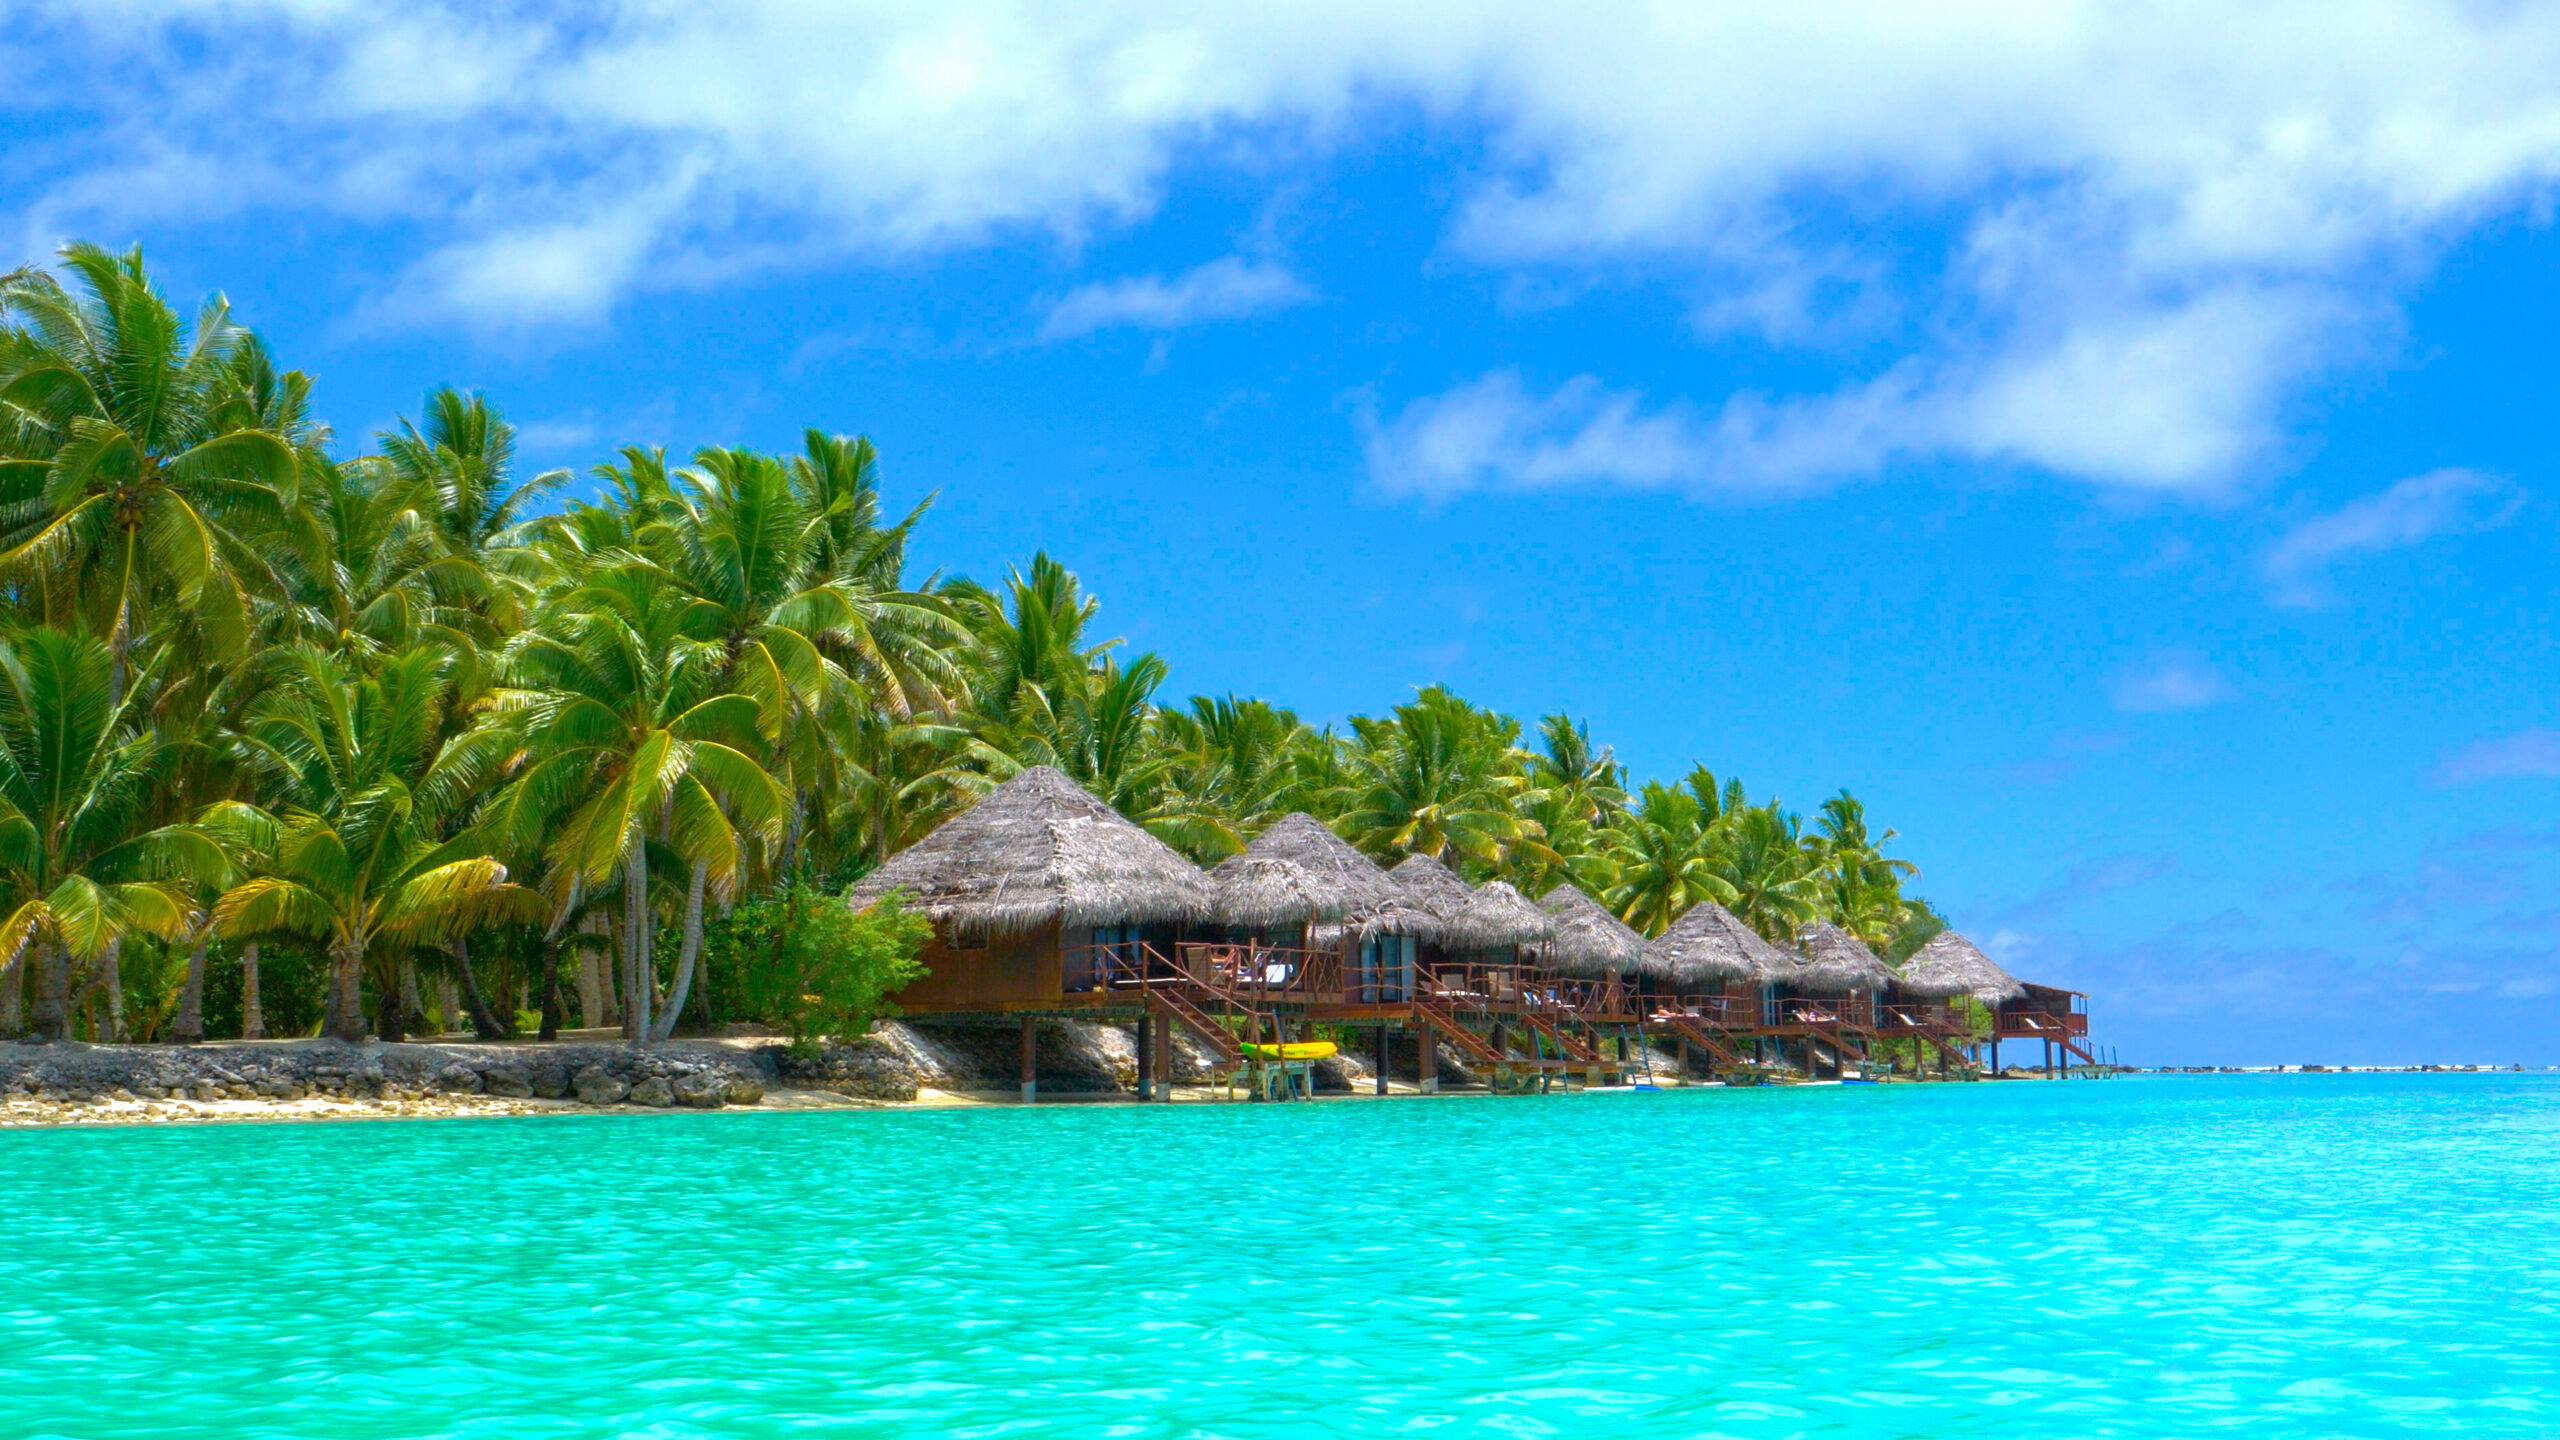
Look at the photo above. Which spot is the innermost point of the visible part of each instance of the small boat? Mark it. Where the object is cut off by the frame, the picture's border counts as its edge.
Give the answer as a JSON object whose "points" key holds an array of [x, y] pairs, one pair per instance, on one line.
{"points": [[1294, 1050]]}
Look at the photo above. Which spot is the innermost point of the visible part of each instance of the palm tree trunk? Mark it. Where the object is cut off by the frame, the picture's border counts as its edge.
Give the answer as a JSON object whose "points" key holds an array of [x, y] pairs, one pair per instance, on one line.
{"points": [[111, 978], [253, 1015], [53, 990], [691, 950], [397, 1002], [13, 989], [550, 991], [637, 935], [484, 1021], [188, 1028], [346, 992]]}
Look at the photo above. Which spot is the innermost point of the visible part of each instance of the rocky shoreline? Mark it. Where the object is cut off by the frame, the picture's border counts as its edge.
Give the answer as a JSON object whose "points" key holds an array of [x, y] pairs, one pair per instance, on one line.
{"points": [[897, 1064]]}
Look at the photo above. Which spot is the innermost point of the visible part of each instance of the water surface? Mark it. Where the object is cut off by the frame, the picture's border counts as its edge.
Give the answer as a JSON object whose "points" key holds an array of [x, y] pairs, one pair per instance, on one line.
{"points": [[2311, 1255]]}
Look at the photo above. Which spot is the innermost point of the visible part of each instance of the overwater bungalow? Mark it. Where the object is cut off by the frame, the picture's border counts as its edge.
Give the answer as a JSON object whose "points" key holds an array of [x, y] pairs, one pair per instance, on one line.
{"points": [[1597, 955], [1044, 901], [1951, 967], [1468, 978], [1824, 996], [1597, 961], [1838, 964], [1705, 986], [1375, 926]]}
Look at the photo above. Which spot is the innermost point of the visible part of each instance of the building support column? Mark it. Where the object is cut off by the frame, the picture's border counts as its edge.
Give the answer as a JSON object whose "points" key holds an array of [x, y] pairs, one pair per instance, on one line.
{"points": [[1382, 1057], [1030, 1059], [1162, 1060], [1146, 1058]]}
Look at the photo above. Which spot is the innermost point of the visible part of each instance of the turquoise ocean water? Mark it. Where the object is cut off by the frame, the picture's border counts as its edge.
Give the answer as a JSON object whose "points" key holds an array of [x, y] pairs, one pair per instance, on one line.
{"points": [[2314, 1255]]}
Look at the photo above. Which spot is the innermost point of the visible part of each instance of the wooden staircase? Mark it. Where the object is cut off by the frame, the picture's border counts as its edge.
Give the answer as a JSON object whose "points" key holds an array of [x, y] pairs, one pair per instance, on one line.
{"points": [[1169, 1003], [1688, 1028], [1439, 1017], [1566, 1046]]}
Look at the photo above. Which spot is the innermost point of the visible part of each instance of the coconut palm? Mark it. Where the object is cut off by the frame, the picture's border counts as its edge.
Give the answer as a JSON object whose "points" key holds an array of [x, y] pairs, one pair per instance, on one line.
{"points": [[1663, 854], [1437, 778], [82, 865], [155, 463], [632, 745], [349, 850]]}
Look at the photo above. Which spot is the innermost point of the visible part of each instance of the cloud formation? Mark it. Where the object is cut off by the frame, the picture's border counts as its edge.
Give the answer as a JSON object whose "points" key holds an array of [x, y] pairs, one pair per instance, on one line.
{"points": [[2527, 754], [2127, 236], [2410, 513], [2174, 681], [1227, 289]]}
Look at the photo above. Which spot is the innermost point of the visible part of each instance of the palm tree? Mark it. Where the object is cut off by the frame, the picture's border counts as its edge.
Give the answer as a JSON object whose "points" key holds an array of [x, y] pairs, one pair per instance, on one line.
{"points": [[1663, 854], [1776, 888], [461, 463], [631, 745], [1231, 770], [349, 852], [156, 457], [1436, 778], [82, 867], [1862, 886]]}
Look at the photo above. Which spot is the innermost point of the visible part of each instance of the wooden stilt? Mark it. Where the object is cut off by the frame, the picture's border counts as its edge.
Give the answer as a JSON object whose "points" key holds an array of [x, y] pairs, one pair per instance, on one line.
{"points": [[1146, 1057], [1429, 1069], [1030, 1059], [1382, 1058], [1163, 1061]]}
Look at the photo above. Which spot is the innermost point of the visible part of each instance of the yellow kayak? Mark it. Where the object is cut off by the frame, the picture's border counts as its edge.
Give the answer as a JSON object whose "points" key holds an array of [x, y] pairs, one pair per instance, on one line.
{"points": [[1294, 1050]]}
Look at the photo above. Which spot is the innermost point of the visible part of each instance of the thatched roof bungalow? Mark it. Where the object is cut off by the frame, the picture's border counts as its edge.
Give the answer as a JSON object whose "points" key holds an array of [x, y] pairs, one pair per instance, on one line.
{"points": [[1950, 965], [1035, 872], [1498, 917], [1266, 892], [1835, 962], [1591, 943], [1709, 947]]}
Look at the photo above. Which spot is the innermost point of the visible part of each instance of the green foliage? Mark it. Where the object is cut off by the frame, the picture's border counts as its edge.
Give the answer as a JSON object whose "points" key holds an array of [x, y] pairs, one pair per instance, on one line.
{"points": [[799, 958], [396, 705]]}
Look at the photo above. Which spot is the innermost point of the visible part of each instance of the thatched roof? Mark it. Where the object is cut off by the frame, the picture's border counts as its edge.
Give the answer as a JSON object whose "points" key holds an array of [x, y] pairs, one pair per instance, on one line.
{"points": [[1428, 884], [1949, 966], [1709, 945], [1354, 880], [1261, 890], [1039, 851], [1835, 963], [1590, 941], [1496, 915]]}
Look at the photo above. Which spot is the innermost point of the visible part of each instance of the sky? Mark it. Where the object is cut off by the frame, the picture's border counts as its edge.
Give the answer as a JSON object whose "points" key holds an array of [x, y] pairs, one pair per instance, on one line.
{"points": [[2110, 440]]}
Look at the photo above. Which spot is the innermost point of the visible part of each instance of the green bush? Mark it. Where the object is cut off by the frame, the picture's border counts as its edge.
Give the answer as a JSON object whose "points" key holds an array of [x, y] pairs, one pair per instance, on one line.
{"points": [[804, 960]]}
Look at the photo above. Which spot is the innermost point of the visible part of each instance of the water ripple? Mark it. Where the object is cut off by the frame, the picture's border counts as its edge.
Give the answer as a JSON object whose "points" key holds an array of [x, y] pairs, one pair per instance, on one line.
{"points": [[2323, 1255]]}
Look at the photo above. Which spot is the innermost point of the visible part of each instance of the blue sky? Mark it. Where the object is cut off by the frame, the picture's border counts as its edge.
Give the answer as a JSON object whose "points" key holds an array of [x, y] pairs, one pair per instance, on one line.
{"points": [[2109, 441]]}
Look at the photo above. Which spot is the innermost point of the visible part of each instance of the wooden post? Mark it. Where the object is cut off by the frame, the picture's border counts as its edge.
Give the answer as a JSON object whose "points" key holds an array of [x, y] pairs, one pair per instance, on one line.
{"points": [[1162, 1060], [1146, 1057], [1429, 1069], [1382, 1057], [1030, 1059]]}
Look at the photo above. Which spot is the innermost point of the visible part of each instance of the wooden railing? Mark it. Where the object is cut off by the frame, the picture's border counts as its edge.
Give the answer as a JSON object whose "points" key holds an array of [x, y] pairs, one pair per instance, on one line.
{"points": [[2042, 1025], [1723, 1012], [1846, 1012]]}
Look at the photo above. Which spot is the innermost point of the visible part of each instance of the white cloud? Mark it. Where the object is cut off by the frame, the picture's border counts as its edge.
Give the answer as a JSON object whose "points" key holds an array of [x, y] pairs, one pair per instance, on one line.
{"points": [[2176, 680], [2526, 754], [2125, 236], [1225, 289], [2412, 512]]}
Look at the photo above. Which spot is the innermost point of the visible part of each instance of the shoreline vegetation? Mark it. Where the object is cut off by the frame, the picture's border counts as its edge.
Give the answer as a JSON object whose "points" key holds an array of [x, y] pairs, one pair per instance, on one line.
{"points": [[307, 737]]}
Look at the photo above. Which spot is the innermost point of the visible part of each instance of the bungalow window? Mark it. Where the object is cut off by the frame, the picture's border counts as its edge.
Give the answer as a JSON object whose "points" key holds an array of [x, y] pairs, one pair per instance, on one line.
{"points": [[957, 941]]}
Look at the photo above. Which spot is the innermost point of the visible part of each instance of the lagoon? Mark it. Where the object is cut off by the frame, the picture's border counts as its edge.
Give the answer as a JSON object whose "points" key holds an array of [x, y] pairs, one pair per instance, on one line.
{"points": [[2322, 1254]]}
